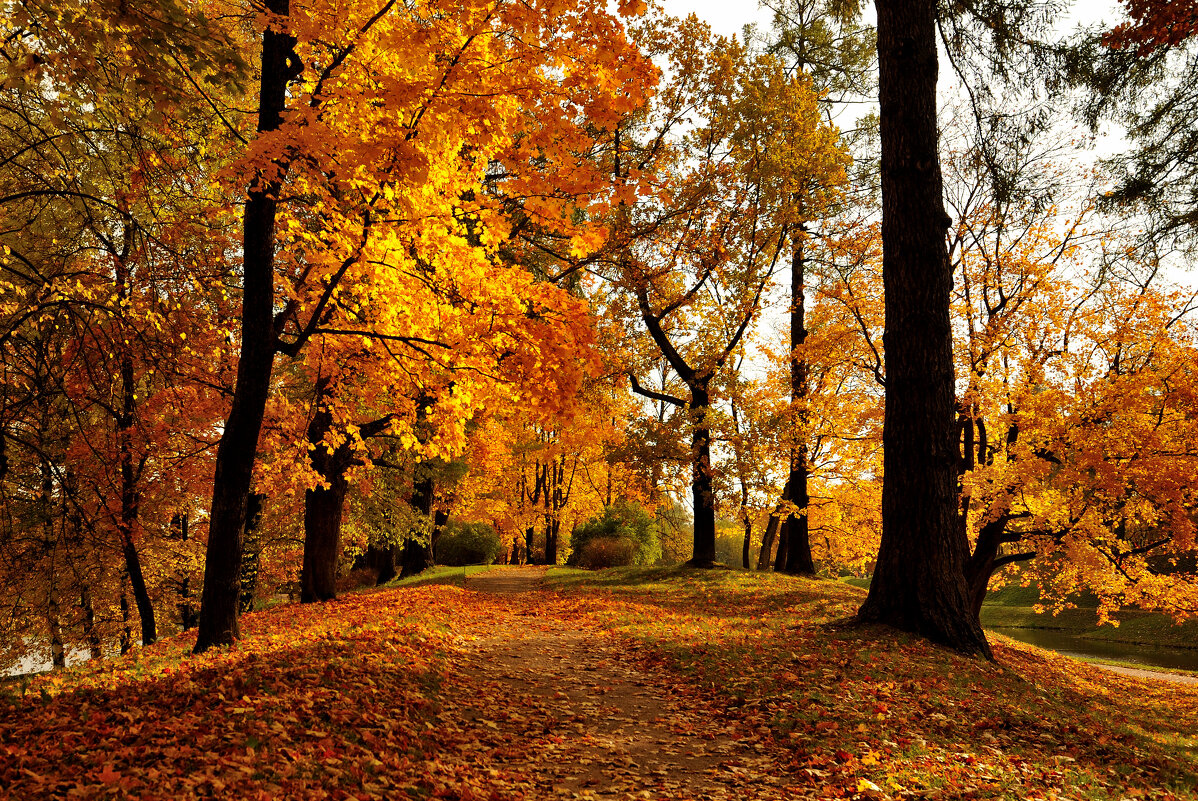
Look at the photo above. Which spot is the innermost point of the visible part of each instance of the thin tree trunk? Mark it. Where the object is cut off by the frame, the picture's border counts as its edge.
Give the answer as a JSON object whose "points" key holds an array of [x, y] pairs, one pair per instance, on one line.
{"points": [[91, 636], [702, 491], [58, 652], [919, 582], [798, 539], [748, 544], [239, 444], [129, 499]]}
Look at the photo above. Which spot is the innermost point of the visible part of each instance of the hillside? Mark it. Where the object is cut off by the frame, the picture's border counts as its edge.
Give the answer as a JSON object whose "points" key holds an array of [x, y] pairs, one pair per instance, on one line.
{"points": [[649, 683]]}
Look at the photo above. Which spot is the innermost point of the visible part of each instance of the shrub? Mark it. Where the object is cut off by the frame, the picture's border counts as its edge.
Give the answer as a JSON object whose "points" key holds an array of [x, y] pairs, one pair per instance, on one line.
{"points": [[622, 522], [467, 544], [603, 552]]}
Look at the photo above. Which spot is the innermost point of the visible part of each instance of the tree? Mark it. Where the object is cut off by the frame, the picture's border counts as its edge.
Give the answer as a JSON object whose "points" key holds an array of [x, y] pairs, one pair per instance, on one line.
{"points": [[729, 196], [919, 582], [363, 139]]}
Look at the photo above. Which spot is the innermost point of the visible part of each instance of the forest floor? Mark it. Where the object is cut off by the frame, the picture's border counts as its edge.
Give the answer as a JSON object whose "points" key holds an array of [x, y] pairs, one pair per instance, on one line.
{"points": [[668, 684]]}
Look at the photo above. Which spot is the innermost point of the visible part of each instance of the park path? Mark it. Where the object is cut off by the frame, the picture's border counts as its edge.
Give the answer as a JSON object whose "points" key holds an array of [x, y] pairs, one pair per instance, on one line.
{"points": [[1151, 675], [534, 694]]}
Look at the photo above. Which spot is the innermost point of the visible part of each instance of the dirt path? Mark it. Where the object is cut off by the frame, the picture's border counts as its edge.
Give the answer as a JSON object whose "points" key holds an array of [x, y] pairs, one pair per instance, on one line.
{"points": [[565, 705], [1152, 675]]}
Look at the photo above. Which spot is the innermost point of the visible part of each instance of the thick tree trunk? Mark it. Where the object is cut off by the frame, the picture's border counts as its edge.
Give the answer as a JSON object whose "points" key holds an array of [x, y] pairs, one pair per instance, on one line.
{"points": [[798, 539], [529, 536], [323, 506], [783, 542], [702, 492], [383, 560], [322, 540], [417, 555], [239, 444], [919, 583]]}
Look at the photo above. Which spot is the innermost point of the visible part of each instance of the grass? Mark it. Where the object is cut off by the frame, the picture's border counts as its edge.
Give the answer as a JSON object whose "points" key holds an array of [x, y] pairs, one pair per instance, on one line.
{"points": [[912, 718], [441, 574], [344, 700]]}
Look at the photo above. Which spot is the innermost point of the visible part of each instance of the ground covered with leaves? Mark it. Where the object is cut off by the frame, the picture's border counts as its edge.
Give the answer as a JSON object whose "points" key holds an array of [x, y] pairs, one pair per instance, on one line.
{"points": [[621, 684]]}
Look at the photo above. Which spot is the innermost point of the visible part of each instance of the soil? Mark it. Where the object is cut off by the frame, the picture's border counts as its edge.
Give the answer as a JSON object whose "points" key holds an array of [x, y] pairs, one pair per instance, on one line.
{"points": [[567, 705]]}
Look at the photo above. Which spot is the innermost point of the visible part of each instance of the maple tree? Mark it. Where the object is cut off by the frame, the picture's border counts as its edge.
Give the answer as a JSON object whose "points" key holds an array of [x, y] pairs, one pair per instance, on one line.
{"points": [[381, 140]]}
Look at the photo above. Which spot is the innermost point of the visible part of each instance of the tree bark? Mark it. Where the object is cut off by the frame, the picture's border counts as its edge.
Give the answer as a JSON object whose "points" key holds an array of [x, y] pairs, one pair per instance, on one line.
{"points": [[798, 538], [767, 543], [919, 583], [129, 497], [322, 540], [323, 506], [702, 491], [252, 539], [417, 555], [239, 443]]}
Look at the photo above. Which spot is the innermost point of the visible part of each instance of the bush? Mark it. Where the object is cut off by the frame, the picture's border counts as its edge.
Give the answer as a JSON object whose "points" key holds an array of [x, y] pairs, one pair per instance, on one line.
{"points": [[603, 552], [625, 534], [467, 544]]}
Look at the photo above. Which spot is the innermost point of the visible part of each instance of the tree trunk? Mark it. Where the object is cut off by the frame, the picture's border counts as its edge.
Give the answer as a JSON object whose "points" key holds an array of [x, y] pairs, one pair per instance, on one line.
{"points": [[417, 555], [748, 543], [702, 493], [529, 536], [322, 540], [798, 539], [129, 497], [252, 539], [783, 542], [767, 543], [91, 636], [125, 637], [383, 560], [58, 652], [919, 582], [239, 444], [323, 506]]}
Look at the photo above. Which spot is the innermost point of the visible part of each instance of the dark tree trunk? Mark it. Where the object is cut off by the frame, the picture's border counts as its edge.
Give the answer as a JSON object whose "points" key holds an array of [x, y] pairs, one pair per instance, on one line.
{"points": [[58, 651], [529, 536], [702, 492], [418, 555], [767, 543], [129, 498], [748, 543], [798, 539], [382, 559], [323, 506], [783, 542], [91, 636], [239, 444], [551, 533], [253, 552], [919, 583], [514, 556], [125, 637], [322, 540]]}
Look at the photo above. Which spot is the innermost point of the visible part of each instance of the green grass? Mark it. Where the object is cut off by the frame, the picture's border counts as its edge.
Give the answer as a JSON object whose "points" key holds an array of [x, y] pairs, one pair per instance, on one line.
{"points": [[441, 574]]}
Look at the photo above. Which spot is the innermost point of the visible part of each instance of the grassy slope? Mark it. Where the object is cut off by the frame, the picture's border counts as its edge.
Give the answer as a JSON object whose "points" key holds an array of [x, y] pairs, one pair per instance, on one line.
{"points": [[1016, 607], [327, 700], [910, 717]]}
